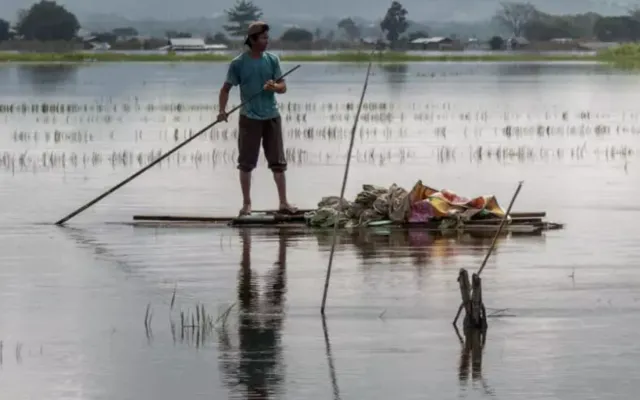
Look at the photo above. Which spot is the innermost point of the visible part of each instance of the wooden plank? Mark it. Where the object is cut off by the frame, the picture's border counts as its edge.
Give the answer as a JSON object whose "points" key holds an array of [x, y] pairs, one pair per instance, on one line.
{"points": [[514, 221], [433, 228], [519, 217]]}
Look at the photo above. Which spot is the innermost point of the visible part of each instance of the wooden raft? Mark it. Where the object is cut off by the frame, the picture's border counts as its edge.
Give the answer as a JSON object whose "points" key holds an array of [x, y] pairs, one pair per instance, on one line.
{"points": [[522, 222]]}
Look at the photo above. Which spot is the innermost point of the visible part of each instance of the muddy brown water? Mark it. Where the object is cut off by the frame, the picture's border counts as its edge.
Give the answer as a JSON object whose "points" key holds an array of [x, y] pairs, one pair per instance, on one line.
{"points": [[73, 300]]}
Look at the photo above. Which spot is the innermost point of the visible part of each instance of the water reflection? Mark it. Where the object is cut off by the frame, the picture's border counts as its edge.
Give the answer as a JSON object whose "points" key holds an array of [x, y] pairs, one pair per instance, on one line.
{"points": [[419, 245], [471, 349], [332, 368], [520, 69], [256, 364], [47, 77], [396, 75]]}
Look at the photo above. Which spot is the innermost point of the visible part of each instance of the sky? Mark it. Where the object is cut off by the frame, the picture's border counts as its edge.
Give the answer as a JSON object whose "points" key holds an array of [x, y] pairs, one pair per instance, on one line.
{"points": [[419, 9]]}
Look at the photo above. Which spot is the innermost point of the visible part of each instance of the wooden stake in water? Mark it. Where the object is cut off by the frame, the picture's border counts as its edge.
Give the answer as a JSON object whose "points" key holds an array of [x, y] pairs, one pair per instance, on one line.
{"points": [[167, 154], [493, 245], [344, 184]]}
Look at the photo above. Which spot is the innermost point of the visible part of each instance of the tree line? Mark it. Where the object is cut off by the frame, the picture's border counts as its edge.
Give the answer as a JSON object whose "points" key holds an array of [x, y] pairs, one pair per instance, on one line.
{"points": [[48, 21], [525, 20]]}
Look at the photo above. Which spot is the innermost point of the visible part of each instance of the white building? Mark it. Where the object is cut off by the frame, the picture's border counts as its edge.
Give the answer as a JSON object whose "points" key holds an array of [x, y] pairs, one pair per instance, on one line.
{"points": [[192, 44]]}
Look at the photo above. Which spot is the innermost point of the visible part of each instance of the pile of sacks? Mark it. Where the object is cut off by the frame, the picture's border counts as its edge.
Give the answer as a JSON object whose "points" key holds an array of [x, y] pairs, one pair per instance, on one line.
{"points": [[373, 203], [422, 204]]}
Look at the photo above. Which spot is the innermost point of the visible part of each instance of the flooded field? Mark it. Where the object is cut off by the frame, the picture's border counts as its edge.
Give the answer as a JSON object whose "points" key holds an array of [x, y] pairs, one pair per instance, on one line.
{"points": [[101, 309]]}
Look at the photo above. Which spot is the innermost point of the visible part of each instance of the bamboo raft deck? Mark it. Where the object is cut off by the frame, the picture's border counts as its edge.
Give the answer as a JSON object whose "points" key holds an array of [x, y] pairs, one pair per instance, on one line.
{"points": [[521, 222]]}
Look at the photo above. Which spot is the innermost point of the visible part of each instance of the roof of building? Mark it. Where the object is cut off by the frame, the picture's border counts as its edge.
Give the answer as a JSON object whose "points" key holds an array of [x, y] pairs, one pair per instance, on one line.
{"points": [[186, 42], [435, 39]]}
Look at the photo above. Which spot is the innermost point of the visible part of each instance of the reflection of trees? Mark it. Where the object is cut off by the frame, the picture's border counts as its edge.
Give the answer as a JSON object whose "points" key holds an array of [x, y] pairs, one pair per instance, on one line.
{"points": [[256, 364], [525, 69], [396, 74], [47, 76]]}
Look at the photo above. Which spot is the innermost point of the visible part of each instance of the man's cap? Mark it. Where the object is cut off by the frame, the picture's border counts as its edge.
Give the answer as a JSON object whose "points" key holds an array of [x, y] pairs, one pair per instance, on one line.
{"points": [[256, 28]]}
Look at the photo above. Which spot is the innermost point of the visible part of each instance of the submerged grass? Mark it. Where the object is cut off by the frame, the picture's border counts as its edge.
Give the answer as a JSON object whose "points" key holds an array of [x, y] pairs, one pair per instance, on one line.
{"points": [[625, 56], [347, 57]]}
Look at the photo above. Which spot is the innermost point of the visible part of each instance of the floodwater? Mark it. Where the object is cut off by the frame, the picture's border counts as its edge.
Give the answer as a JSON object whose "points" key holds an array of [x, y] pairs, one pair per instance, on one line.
{"points": [[565, 305]]}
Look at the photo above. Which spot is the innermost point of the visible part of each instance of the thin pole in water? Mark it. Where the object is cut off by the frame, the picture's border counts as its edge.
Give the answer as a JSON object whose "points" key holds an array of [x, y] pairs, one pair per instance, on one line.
{"points": [[167, 154], [504, 220], [344, 184]]}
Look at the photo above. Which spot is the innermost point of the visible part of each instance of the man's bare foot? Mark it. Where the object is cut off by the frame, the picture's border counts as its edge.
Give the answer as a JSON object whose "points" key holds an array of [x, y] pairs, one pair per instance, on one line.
{"points": [[245, 210], [286, 208]]}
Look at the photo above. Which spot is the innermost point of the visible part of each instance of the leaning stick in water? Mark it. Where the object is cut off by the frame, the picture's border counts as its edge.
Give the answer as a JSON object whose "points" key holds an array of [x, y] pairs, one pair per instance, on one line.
{"points": [[505, 217], [167, 154], [344, 184]]}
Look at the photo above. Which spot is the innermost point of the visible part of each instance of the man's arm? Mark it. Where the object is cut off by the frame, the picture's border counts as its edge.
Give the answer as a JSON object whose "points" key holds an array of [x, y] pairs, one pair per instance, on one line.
{"points": [[280, 87], [223, 96], [231, 81]]}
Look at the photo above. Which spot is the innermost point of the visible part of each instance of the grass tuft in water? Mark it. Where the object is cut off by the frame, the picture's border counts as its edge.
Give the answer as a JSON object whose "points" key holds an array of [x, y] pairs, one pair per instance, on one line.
{"points": [[626, 56]]}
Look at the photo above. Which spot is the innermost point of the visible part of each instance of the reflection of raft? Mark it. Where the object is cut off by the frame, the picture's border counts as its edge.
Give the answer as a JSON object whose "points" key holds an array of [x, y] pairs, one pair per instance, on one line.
{"points": [[521, 222]]}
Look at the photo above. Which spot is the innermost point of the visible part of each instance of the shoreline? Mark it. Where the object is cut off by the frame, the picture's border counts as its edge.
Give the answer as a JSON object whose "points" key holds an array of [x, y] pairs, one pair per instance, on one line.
{"points": [[343, 57]]}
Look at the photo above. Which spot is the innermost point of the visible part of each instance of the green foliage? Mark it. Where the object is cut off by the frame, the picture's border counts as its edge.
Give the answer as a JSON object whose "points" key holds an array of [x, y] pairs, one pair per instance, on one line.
{"points": [[523, 19], [496, 43], [617, 29], [47, 21], [4, 30], [297, 35], [625, 56], [395, 22], [546, 26], [350, 28], [243, 13]]}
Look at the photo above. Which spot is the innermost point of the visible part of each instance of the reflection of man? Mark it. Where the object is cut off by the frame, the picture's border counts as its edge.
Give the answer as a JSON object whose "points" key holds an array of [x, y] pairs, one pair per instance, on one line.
{"points": [[259, 328]]}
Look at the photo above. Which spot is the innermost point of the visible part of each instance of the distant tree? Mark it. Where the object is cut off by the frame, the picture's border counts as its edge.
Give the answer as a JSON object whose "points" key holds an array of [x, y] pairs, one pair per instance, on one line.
{"points": [[417, 35], [177, 35], [496, 43], [515, 16], [47, 20], [104, 37], [330, 35], [350, 28], [128, 31], [297, 35], [243, 13], [4, 30], [317, 34], [547, 27], [395, 22], [583, 24], [617, 29], [217, 38]]}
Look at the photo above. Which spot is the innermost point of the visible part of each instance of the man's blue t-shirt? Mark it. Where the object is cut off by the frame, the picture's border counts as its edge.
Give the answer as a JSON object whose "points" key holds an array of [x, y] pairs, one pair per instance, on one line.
{"points": [[251, 74]]}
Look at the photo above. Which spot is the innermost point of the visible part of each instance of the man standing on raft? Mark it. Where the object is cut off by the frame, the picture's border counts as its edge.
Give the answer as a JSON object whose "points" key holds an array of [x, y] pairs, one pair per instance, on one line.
{"points": [[256, 71]]}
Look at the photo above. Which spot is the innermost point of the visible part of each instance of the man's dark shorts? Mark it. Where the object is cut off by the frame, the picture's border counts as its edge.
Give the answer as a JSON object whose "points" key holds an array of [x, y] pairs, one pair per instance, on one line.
{"points": [[253, 132]]}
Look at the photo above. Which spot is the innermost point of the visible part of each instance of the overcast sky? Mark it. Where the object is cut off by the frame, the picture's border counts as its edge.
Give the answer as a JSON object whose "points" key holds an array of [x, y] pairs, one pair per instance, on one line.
{"points": [[418, 9]]}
